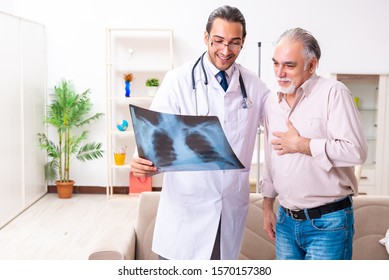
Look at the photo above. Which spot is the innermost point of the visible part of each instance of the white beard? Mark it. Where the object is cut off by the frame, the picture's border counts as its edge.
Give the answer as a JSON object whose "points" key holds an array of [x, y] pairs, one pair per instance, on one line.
{"points": [[287, 90]]}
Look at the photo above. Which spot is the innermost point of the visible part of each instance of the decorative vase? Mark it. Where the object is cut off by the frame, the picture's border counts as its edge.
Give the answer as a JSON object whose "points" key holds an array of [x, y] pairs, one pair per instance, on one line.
{"points": [[128, 90], [64, 189]]}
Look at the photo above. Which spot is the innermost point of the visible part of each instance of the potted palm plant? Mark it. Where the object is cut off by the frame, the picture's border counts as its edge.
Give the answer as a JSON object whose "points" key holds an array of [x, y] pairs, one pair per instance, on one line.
{"points": [[67, 112]]}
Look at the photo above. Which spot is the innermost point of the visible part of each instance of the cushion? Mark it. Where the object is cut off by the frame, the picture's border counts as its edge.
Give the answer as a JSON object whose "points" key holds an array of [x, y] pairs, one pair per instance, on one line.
{"points": [[117, 243]]}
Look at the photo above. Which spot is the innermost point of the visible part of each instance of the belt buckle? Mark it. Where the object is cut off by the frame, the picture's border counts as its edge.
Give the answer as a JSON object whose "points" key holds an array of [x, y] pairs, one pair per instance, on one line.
{"points": [[294, 215]]}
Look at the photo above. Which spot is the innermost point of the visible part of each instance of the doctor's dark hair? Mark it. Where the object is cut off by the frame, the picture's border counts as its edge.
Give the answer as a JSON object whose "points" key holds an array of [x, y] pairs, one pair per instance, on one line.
{"points": [[311, 46], [230, 14]]}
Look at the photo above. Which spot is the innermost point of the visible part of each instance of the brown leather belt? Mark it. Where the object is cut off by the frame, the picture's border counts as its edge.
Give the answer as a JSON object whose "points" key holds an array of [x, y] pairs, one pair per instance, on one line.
{"points": [[317, 212]]}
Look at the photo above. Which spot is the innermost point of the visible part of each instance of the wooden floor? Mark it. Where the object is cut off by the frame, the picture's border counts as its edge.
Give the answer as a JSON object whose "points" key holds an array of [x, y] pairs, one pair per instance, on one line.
{"points": [[64, 229]]}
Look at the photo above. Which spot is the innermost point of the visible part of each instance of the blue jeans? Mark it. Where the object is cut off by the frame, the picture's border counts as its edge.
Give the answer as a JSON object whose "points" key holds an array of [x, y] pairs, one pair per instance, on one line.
{"points": [[329, 237]]}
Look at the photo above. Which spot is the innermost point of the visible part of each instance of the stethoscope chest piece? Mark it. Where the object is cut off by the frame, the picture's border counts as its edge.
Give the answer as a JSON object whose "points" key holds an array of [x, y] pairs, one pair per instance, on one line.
{"points": [[246, 103]]}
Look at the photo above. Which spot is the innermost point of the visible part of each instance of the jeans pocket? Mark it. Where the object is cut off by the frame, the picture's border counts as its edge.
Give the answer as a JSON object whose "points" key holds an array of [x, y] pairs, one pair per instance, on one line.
{"points": [[281, 215], [334, 221]]}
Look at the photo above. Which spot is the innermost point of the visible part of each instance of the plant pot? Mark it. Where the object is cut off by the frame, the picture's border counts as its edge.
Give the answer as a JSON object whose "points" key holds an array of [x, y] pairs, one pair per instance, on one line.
{"points": [[152, 90], [64, 189]]}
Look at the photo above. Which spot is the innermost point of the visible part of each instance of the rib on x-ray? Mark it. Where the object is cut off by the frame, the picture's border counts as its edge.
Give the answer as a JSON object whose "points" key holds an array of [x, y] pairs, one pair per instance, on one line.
{"points": [[182, 143]]}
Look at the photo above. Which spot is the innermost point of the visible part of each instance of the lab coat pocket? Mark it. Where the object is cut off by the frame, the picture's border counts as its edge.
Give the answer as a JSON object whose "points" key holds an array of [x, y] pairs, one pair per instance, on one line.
{"points": [[239, 188], [191, 186], [243, 120]]}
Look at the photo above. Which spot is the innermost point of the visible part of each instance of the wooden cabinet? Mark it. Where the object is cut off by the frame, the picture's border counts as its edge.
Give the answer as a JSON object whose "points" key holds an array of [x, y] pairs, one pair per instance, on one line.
{"points": [[22, 108], [371, 93], [146, 53]]}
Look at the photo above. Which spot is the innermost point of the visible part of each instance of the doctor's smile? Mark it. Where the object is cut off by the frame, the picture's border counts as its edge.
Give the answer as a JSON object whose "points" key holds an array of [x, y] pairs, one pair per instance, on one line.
{"points": [[224, 59]]}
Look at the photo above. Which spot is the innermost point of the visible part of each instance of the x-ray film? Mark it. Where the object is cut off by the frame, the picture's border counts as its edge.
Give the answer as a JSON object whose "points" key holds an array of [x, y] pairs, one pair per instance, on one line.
{"points": [[182, 143]]}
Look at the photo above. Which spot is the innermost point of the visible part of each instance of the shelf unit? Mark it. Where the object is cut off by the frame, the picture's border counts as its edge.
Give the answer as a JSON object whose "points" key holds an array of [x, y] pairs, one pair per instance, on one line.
{"points": [[146, 53], [373, 103]]}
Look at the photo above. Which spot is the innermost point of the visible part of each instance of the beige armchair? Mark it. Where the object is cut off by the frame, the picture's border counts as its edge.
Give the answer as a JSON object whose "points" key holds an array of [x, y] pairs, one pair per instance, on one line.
{"points": [[134, 242], [120, 243]]}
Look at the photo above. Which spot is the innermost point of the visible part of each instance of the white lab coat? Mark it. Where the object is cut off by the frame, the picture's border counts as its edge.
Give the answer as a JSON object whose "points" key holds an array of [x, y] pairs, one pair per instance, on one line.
{"points": [[192, 203]]}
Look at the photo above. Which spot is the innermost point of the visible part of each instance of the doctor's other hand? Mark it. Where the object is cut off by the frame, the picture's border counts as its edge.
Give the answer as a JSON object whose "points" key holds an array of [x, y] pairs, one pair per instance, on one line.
{"points": [[141, 167]]}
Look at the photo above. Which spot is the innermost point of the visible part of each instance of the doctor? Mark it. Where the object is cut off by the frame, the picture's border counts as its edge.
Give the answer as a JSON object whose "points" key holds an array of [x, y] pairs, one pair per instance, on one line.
{"points": [[202, 214]]}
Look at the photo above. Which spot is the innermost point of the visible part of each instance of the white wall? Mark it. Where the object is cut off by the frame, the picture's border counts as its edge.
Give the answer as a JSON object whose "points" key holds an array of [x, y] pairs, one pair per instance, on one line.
{"points": [[353, 35]]}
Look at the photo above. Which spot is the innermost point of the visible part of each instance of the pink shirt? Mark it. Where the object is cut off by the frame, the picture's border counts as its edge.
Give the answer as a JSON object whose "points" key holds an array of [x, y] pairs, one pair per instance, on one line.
{"points": [[324, 111]]}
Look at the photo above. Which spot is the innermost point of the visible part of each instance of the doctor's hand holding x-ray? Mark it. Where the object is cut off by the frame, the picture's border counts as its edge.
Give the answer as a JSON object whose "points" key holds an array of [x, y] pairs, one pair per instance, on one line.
{"points": [[202, 214]]}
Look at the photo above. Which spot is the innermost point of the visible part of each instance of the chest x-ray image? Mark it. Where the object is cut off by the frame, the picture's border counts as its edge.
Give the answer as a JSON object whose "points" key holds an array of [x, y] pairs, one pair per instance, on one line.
{"points": [[182, 143]]}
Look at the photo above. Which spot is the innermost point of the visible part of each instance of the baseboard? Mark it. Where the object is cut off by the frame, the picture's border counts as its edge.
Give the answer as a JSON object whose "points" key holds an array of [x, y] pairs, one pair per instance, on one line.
{"points": [[96, 189]]}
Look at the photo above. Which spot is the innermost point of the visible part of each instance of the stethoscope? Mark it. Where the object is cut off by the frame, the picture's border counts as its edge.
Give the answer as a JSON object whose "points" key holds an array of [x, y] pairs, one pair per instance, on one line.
{"points": [[246, 103]]}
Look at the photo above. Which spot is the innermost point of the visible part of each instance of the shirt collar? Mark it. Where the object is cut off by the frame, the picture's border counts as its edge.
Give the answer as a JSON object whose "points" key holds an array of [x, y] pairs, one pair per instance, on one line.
{"points": [[308, 85]]}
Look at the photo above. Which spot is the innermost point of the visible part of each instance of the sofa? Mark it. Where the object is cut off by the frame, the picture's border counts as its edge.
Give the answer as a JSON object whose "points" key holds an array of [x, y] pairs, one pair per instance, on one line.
{"points": [[134, 243]]}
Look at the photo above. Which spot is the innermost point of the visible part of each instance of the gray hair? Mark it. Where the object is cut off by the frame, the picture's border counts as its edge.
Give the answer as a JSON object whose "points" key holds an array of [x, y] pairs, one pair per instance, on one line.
{"points": [[311, 46], [230, 14]]}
